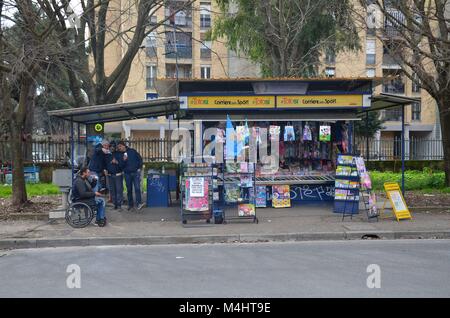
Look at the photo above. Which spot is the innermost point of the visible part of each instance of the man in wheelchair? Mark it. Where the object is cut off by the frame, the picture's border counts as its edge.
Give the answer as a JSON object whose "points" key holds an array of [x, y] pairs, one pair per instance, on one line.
{"points": [[83, 192]]}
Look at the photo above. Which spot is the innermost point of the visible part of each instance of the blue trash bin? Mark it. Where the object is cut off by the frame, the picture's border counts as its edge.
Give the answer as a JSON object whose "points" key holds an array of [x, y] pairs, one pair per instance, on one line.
{"points": [[157, 190]]}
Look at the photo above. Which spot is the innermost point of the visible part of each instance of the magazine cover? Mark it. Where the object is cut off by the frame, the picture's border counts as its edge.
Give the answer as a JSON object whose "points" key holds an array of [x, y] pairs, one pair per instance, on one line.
{"points": [[246, 181], [281, 196], [194, 203], [232, 193], [246, 209], [261, 195]]}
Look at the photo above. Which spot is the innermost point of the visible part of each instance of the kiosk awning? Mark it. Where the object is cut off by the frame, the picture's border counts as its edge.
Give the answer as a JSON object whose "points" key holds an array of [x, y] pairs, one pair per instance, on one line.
{"points": [[383, 101], [118, 112]]}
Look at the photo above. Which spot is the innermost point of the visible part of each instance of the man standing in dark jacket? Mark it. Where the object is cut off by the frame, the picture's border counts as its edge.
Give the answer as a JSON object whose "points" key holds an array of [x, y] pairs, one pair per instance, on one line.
{"points": [[132, 170], [97, 162], [83, 192], [114, 170]]}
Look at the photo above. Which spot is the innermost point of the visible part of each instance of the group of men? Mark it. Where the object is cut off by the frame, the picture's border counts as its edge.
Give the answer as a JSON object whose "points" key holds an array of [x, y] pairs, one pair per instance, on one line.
{"points": [[116, 162]]}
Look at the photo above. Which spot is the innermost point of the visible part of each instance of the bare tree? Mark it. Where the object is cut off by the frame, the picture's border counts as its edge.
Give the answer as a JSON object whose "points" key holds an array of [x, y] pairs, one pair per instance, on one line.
{"points": [[25, 48], [416, 35]]}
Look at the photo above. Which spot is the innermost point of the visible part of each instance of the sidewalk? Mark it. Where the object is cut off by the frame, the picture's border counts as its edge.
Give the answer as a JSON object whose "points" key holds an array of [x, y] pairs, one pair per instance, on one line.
{"points": [[163, 226]]}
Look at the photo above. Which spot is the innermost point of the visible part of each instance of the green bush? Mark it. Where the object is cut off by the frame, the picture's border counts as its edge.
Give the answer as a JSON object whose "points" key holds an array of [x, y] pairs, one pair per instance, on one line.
{"points": [[414, 180]]}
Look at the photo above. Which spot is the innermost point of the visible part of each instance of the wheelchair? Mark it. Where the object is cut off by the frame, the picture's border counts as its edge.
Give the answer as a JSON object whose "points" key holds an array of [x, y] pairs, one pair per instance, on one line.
{"points": [[79, 214]]}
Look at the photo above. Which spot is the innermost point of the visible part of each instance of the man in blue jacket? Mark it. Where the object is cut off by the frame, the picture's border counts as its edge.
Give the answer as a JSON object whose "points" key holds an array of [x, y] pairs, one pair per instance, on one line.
{"points": [[97, 162], [132, 170], [114, 170]]}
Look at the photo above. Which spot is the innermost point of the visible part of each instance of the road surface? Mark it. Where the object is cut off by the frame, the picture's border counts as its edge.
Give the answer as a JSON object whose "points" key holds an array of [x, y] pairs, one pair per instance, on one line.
{"points": [[408, 268]]}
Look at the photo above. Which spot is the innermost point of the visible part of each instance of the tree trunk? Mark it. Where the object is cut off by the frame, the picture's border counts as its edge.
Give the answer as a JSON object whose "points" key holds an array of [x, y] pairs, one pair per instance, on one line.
{"points": [[18, 187], [445, 129]]}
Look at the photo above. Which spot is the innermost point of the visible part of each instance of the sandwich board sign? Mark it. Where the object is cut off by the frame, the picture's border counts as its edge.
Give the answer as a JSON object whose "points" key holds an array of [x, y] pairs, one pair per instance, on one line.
{"points": [[397, 200]]}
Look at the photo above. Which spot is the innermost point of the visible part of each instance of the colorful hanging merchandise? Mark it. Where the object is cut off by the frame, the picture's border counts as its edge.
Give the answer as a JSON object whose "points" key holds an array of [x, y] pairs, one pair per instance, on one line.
{"points": [[274, 132], [220, 136], [256, 135], [289, 134], [307, 135], [325, 133], [230, 145]]}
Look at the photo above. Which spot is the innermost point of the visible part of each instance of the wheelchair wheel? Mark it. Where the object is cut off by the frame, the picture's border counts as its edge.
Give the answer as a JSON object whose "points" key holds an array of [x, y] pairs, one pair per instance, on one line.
{"points": [[79, 215]]}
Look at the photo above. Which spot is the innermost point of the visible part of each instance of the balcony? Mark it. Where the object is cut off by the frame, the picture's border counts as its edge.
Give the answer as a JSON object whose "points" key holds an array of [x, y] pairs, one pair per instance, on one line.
{"points": [[184, 71], [182, 51], [391, 62], [394, 87]]}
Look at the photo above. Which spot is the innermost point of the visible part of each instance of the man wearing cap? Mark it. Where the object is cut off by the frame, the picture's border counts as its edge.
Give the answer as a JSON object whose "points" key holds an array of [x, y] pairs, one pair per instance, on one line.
{"points": [[97, 162], [114, 171]]}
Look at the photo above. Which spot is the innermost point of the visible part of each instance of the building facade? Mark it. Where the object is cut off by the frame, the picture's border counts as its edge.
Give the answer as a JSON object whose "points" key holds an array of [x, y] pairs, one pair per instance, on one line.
{"points": [[375, 59], [179, 48]]}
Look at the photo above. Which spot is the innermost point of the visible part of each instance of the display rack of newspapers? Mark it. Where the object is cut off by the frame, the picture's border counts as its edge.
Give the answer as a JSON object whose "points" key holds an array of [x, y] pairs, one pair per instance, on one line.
{"points": [[196, 183], [239, 193], [366, 194], [346, 190]]}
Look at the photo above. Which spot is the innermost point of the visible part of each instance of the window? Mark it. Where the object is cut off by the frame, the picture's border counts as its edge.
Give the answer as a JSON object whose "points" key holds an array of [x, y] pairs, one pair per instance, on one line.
{"points": [[393, 114], [205, 50], [415, 84], [330, 72], [205, 15], [184, 70], [416, 109], [205, 71], [370, 72], [370, 51], [150, 45], [178, 13], [183, 47], [330, 57], [150, 76]]}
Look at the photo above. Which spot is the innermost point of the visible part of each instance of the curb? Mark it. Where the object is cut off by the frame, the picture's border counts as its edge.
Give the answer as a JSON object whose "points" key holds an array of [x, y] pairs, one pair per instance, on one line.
{"points": [[24, 243]]}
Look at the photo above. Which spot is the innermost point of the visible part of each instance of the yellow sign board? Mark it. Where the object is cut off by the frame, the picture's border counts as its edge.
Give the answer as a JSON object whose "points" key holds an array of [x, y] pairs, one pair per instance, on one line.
{"points": [[212, 102], [320, 101], [397, 200]]}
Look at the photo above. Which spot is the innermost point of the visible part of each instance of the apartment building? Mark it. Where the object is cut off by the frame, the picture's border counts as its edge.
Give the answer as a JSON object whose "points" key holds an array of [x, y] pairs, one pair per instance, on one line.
{"points": [[177, 48], [180, 46], [375, 59]]}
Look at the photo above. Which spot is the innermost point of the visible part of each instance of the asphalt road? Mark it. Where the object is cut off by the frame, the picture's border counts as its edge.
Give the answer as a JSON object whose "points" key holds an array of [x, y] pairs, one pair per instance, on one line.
{"points": [[409, 268]]}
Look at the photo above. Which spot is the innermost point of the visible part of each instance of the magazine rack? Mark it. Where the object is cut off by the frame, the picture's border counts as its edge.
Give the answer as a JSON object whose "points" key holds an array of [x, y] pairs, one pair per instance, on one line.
{"points": [[239, 192], [196, 192], [346, 194]]}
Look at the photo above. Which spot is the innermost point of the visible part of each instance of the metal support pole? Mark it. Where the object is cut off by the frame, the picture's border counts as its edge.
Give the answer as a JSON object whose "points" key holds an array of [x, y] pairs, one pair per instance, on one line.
{"points": [[350, 137], [403, 149], [367, 136], [176, 56], [71, 147]]}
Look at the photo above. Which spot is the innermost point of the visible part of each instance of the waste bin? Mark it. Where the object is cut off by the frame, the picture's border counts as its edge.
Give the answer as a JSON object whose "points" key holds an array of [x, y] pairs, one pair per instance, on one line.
{"points": [[157, 189]]}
